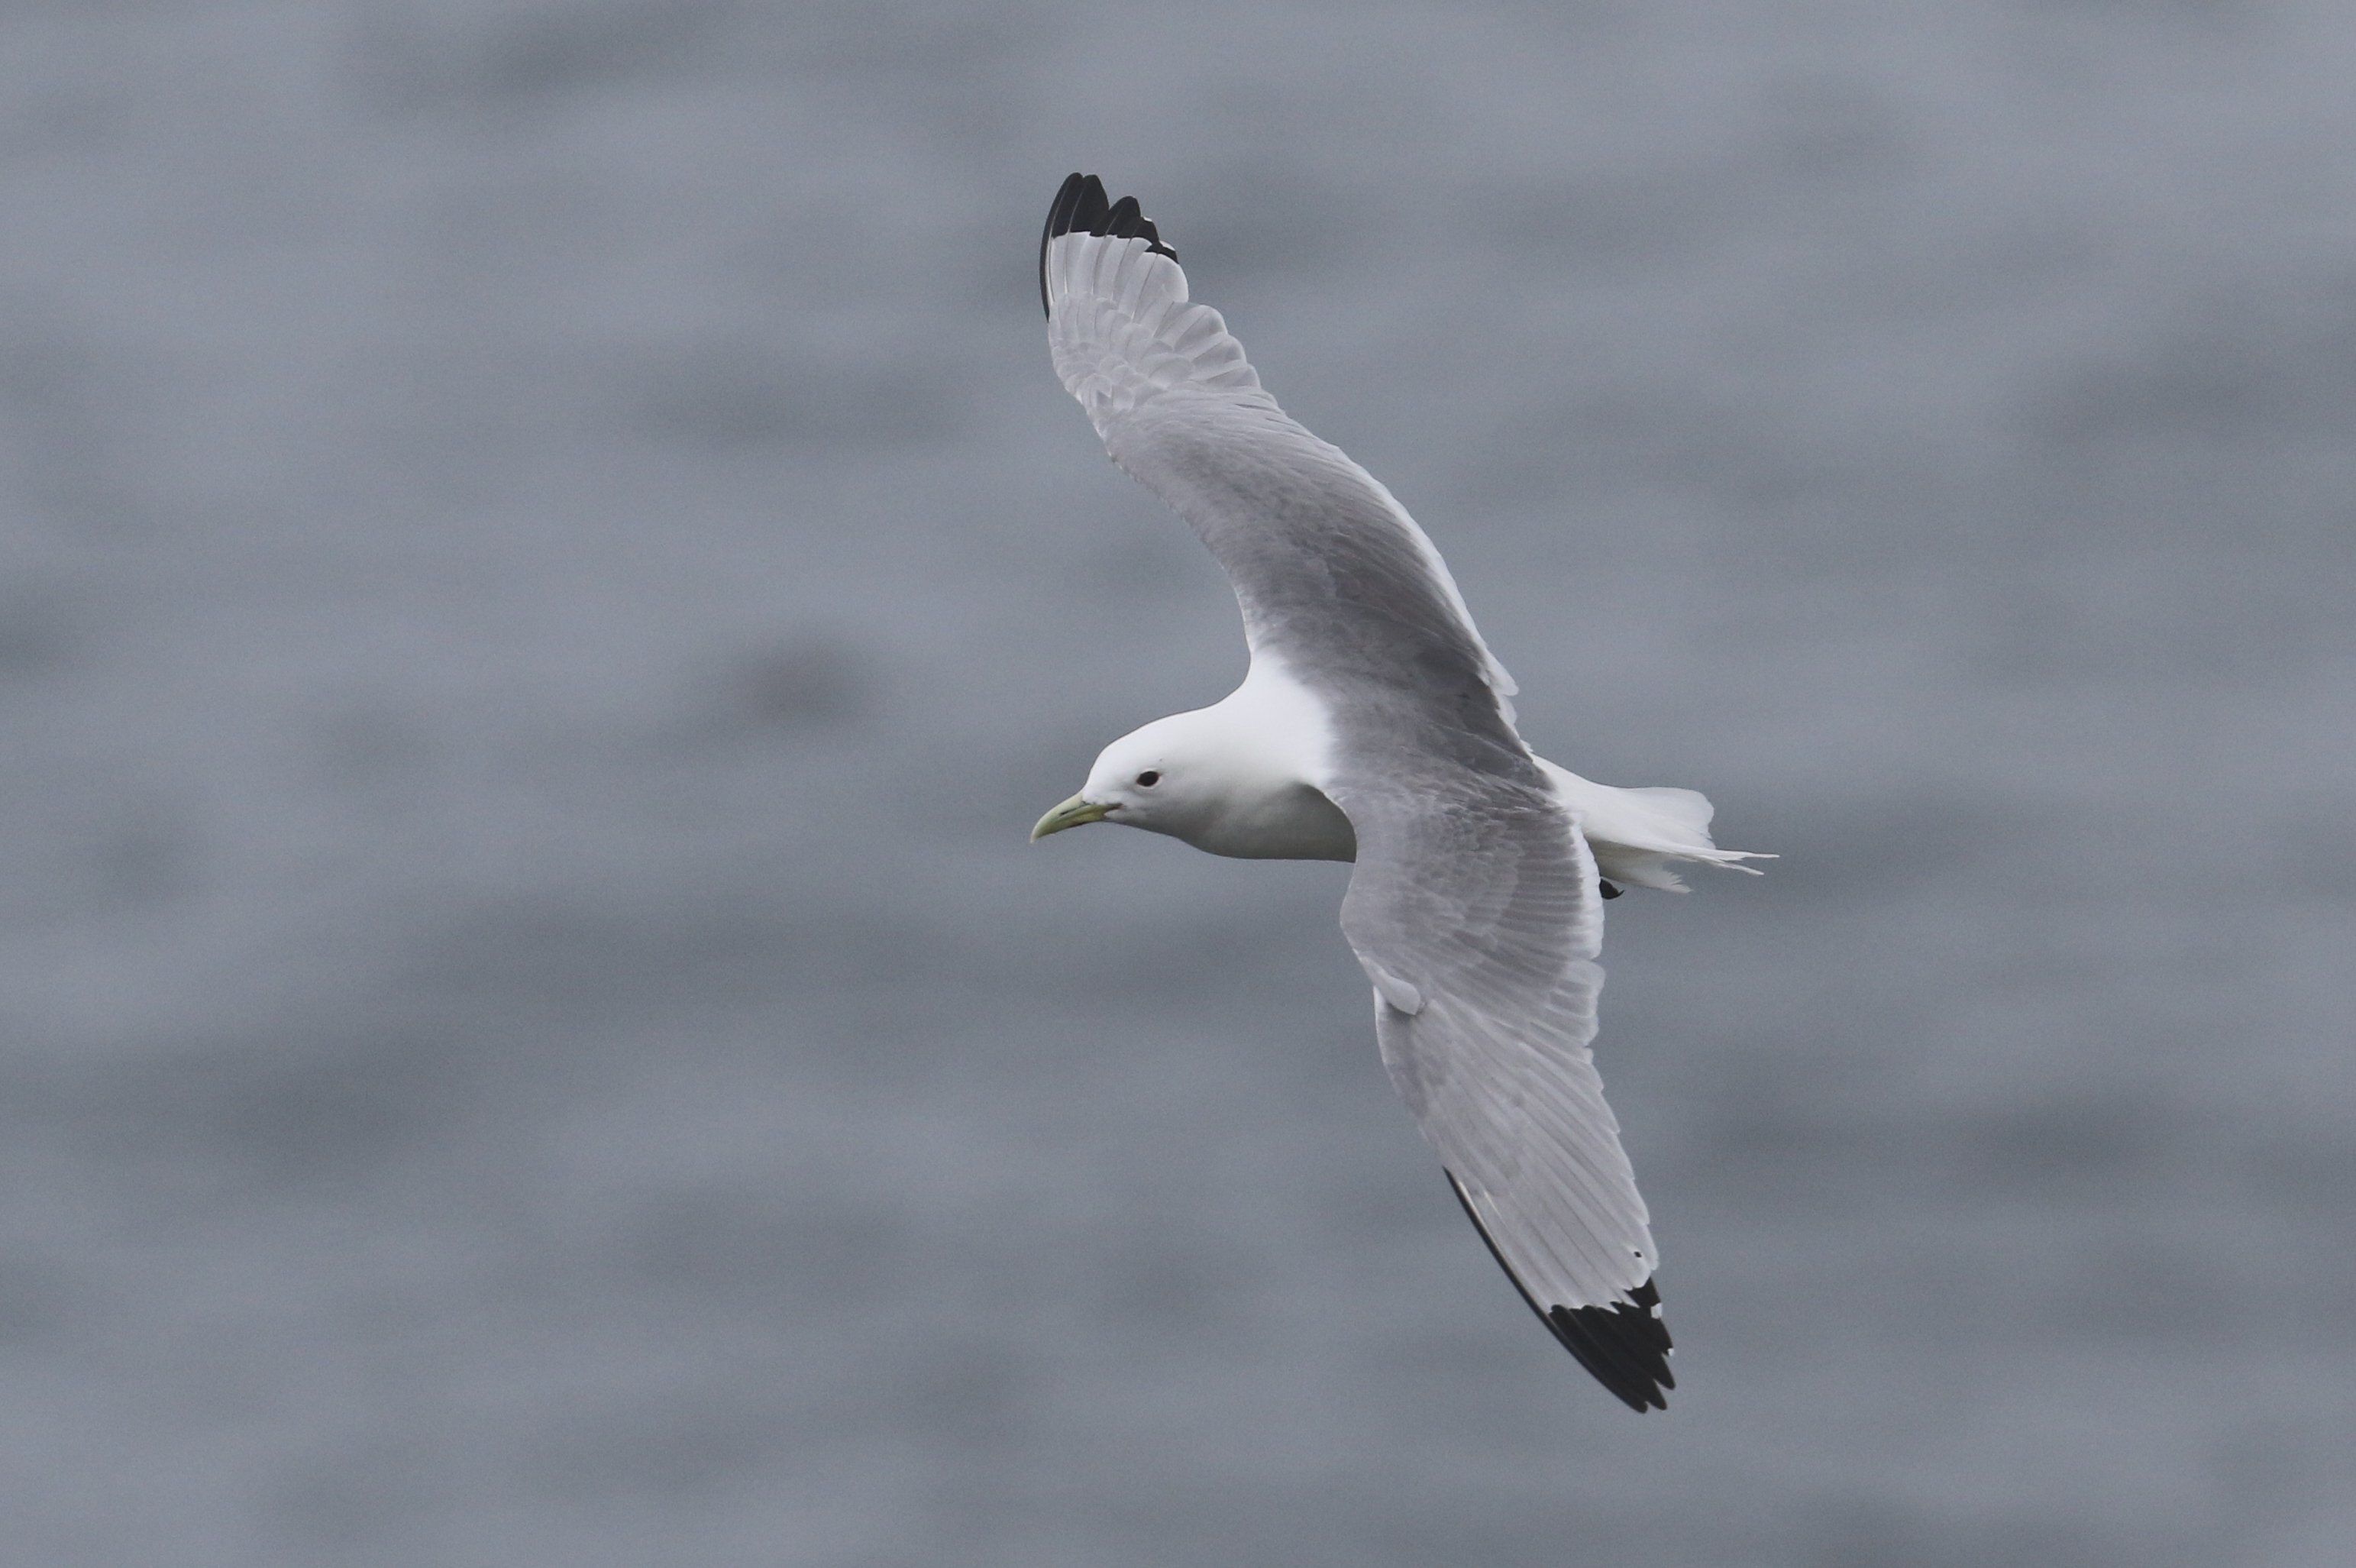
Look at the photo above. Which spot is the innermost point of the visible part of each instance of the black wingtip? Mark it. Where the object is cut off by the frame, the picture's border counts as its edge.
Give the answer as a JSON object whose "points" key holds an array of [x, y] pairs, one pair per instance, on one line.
{"points": [[1081, 208], [1625, 1346]]}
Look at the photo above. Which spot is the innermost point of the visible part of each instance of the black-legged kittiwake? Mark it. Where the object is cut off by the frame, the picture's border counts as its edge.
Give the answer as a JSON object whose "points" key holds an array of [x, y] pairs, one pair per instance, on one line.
{"points": [[1375, 726]]}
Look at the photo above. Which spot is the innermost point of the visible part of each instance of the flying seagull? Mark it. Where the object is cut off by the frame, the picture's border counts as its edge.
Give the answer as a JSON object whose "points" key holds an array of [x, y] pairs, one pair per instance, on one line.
{"points": [[1375, 726]]}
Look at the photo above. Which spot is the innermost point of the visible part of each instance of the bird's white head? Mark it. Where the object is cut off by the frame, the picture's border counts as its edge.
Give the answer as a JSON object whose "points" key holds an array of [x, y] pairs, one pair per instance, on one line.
{"points": [[1165, 778], [1227, 779]]}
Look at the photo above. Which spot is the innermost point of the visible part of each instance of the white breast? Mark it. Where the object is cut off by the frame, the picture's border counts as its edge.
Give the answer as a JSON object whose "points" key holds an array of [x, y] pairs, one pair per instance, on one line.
{"points": [[1296, 822], [1275, 736]]}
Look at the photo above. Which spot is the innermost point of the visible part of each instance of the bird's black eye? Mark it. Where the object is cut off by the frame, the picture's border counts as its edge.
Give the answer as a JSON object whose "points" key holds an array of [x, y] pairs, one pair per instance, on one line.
{"points": [[1147, 779]]}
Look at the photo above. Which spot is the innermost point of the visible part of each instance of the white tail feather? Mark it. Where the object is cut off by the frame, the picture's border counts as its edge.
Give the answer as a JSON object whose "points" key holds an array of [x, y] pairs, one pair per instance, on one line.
{"points": [[1636, 833]]}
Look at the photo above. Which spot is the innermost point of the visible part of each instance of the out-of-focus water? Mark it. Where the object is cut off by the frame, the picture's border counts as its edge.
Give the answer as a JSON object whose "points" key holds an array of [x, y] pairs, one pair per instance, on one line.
{"points": [[544, 575]]}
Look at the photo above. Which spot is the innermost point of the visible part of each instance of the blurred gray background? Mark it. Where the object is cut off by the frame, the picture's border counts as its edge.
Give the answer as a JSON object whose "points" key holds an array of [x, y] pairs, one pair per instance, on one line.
{"points": [[547, 574]]}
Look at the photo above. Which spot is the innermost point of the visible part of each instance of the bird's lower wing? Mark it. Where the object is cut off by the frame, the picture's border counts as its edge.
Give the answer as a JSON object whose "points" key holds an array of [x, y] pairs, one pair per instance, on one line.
{"points": [[1475, 909]]}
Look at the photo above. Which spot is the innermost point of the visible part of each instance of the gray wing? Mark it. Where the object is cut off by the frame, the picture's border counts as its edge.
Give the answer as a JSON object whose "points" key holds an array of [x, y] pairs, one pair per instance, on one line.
{"points": [[1475, 909], [1298, 527], [1474, 906]]}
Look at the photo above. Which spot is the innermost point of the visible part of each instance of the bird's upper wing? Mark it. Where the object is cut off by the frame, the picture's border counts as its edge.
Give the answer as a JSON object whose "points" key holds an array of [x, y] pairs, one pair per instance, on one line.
{"points": [[1295, 523], [1474, 906]]}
